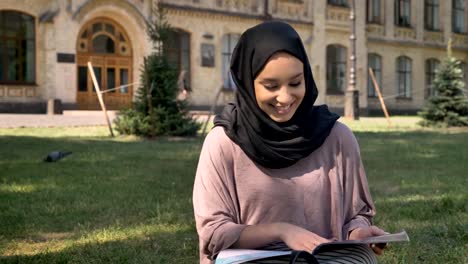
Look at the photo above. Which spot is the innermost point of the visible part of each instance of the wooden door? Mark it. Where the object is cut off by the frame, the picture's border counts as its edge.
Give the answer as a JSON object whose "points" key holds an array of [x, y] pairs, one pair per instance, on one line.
{"points": [[104, 43]]}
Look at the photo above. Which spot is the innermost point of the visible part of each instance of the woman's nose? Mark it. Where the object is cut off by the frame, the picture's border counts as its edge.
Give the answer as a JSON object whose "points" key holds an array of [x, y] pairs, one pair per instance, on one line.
{"points": [[284, 95]]}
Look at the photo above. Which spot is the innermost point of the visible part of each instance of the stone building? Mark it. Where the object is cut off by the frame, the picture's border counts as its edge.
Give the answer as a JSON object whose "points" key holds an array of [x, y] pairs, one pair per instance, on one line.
{"points": [[45, 46]]}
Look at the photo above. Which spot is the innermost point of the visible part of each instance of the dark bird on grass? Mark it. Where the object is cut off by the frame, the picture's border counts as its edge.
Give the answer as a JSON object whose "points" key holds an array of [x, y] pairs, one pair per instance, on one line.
{"points": [[56, 155]]}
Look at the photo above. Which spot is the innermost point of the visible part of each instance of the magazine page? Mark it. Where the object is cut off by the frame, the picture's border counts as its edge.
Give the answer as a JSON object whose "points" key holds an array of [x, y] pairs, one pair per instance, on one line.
{"points": [[388, 238], [236, 256]]}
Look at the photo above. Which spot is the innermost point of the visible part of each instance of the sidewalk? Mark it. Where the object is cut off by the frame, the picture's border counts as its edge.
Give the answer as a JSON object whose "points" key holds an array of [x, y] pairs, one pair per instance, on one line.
{"points": [[68, 119]]}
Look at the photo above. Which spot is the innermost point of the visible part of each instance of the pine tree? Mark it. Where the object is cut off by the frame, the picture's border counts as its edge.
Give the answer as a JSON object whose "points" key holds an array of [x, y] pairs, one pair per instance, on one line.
{"points": [[156, 111], [449, 105]]}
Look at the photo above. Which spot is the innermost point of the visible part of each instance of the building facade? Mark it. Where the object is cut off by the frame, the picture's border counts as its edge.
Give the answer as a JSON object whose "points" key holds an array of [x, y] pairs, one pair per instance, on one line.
{"points": [[46, 46]]}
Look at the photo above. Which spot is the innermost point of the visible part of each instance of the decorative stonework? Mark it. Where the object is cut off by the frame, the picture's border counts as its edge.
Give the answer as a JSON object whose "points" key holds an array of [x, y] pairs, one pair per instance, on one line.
{"points": [[403, 33], [375, 30], [434, 37], [15, 92], [238, 6], [338, 15], [30, 92], [292, 10], [460, 40]]}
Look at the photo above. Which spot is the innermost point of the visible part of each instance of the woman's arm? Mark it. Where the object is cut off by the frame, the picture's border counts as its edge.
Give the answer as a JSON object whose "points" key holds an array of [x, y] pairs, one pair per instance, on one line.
{"points": [[295, 237]]}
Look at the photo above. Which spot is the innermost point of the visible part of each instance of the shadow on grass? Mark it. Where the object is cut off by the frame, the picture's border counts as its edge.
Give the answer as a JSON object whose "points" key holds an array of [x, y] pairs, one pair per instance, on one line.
{"points": [[102, 183], [174, 247]]}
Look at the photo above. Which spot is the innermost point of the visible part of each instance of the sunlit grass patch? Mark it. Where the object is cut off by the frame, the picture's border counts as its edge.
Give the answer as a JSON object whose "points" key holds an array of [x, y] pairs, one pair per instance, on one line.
{"points": [[128, 199]]}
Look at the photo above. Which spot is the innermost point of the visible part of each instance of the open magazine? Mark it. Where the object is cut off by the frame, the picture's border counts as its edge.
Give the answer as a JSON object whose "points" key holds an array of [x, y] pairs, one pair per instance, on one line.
{"points": [[236, 256]]}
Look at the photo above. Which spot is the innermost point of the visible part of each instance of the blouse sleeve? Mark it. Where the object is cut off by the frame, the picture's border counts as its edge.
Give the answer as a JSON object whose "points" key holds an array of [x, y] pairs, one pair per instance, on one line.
{"points": [[358, 205], [214, 196]]}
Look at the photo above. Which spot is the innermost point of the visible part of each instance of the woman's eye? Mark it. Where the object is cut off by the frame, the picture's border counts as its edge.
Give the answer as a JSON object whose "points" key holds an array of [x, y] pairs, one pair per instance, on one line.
{"points": [[270, 87], [295, 84]]}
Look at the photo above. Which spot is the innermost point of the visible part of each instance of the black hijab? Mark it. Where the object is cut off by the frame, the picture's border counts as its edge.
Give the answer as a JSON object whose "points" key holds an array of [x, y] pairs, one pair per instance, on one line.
{"points": [[268, 143]]}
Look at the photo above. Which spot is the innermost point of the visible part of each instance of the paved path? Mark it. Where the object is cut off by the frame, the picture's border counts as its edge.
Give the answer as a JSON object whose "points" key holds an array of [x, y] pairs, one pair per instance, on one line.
{"points": [[69, 118], [73, 118]]}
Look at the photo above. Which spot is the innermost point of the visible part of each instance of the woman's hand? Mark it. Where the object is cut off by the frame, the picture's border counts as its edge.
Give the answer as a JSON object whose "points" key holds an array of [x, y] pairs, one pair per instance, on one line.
{"points": [[298, 238], [361, 233]]}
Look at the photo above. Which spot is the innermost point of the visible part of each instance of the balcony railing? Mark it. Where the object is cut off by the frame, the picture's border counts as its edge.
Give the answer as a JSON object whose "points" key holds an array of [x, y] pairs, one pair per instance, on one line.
{"points": [[338, 15], [404, 33], [434, 37], [246, 7], [294, 10], [460, 40], [375, 30]]}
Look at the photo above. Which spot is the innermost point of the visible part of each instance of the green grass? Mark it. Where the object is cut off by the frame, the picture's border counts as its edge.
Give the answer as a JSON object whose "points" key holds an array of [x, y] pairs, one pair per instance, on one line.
{"points": [[128, 200]]}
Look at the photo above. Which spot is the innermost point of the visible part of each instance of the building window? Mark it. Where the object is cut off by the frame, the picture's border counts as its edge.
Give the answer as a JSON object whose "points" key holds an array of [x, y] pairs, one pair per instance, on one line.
{"points": [[431, 15], [229, 42], [375, 63], [336, 69], [458, 16], [403, 82], [17, 48], [343, 3], [403, 13], [373, 11], [177, 48], [431, 67]]}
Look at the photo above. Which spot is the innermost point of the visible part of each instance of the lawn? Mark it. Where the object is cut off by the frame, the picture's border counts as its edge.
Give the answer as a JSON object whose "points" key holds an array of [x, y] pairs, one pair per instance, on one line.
{"points": [[128, 200]]}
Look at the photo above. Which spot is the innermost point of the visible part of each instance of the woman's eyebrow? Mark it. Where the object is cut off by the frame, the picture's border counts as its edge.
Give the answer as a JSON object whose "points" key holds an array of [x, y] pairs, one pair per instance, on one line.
{"points": [[275, 80]]}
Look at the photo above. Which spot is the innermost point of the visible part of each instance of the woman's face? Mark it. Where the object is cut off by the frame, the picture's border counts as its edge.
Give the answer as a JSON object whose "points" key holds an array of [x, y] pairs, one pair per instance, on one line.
{"points": [[280, 86]]}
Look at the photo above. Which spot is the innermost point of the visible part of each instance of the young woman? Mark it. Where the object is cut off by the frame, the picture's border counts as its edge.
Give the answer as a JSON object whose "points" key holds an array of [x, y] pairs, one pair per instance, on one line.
{"points": [[275, 168]]}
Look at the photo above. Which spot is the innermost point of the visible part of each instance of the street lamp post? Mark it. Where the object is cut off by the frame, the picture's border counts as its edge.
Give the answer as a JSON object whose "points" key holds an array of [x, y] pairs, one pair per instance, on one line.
{"points": [[351, 110]]}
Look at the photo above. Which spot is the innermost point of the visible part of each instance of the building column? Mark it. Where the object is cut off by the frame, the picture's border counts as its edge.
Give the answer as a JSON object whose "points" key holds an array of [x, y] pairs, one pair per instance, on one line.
{"points": [[361, 53], [389, 19], [417, 18], [318, 52]]}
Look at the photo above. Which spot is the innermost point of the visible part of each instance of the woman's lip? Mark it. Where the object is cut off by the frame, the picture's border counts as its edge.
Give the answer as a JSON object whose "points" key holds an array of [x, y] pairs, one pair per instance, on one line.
{"points": [[284, 110]]}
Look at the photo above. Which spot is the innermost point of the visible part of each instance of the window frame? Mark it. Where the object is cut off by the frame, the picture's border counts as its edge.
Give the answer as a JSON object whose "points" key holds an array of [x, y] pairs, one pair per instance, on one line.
{"points": [[371, 17], [340, 3], [180, 52], [226, 53], [371, 92], [458, 11], [407, 74], [336, 64], [431, 15], [430, 67], [399, 16], [21, 51]]}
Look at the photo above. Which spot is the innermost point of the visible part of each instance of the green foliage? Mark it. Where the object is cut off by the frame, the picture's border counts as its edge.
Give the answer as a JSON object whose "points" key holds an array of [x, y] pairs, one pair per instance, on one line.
{"points": [[156, 111], [449, 105]]}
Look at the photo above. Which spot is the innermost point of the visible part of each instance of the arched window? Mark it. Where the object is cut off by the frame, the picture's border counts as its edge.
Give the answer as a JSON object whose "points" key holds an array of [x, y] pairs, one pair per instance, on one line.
{"points": [[336, 69], [177, 49], [403, 74], [403, 13], [431, 15], [229, 42], [431, 67], [373, 11], [375, 63], [17, 48]]}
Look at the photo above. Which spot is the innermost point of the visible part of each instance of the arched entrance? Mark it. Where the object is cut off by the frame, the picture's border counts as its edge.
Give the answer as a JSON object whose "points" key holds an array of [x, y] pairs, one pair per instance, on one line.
{"points": [[106, 45]]}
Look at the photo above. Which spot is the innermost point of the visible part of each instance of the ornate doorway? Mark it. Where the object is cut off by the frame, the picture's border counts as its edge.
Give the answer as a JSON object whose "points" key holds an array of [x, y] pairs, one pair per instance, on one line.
{"points": [[106, 45]]}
